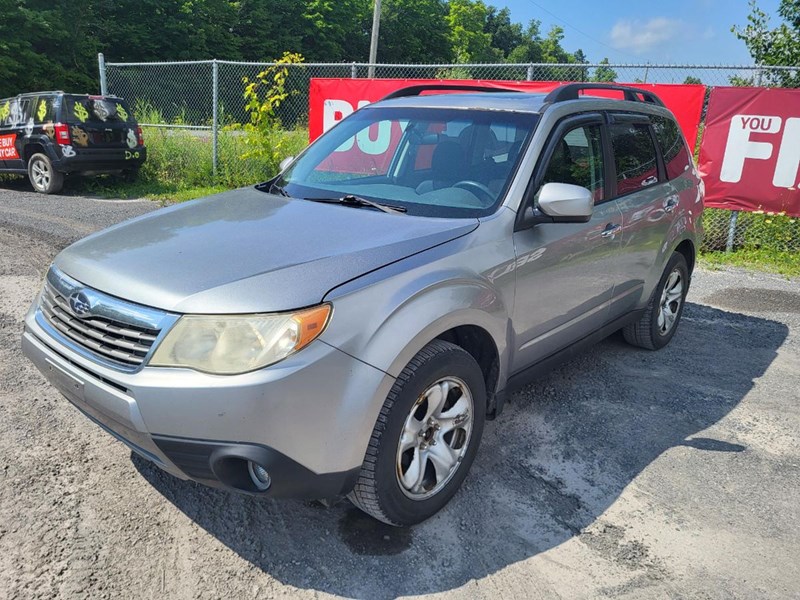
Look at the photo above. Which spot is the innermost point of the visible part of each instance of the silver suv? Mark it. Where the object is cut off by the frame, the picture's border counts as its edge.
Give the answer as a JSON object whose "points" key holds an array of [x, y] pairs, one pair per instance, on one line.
{"points": [[347, 327]]}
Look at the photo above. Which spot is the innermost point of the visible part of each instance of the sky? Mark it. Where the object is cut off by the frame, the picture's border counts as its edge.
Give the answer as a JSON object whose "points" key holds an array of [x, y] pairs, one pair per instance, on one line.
{"points": [[631, 31]]}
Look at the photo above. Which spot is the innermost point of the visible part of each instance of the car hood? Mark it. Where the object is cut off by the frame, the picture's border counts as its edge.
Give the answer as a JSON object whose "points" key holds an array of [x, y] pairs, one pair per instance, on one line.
{"points": [[247, 251]]}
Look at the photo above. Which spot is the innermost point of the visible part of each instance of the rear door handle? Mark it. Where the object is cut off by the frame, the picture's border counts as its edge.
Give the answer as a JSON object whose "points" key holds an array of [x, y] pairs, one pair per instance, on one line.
{"points": [[611, 230], [650, 181], [670, 204]]}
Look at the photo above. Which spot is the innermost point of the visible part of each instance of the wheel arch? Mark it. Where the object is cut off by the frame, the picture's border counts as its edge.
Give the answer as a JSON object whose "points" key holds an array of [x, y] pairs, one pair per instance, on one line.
{"points": [[687, 248]]}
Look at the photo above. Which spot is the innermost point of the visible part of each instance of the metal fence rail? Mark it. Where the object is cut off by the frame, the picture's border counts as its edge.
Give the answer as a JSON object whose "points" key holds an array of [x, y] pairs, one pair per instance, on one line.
{"points": [[208, 95]]}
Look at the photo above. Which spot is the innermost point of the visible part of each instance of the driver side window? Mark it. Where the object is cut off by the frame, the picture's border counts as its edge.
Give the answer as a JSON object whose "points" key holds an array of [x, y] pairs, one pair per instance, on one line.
{"points": [[578, 160]]}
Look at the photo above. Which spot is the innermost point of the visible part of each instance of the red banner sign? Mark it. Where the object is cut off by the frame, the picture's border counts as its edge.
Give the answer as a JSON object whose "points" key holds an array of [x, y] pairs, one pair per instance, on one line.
{"points": [[750, 155], [330, 100], [7, 149]]}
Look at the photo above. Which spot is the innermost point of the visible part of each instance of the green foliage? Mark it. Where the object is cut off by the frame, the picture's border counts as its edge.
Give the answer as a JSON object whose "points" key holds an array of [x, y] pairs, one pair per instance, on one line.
{"points": [[604, 74], [264, 137], [776, 47], [414, 31], [471, 44], [691, 80]]}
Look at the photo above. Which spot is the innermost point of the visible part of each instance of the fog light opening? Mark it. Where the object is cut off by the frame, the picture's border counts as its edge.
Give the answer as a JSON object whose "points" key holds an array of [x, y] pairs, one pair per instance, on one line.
{"points": [[259, 476]]}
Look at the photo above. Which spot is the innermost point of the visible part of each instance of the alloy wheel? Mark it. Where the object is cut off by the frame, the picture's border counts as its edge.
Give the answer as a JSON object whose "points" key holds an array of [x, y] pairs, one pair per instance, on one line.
{"points": [[670, 305], [434, 438]]}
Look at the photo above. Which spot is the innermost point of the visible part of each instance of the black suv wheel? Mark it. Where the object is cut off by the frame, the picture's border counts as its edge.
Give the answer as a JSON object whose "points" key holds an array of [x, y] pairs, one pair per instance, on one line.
{"points": [[43, 177]]}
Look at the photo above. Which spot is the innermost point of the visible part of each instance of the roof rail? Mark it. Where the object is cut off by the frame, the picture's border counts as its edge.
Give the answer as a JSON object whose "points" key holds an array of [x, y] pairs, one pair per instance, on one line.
{"points": [[416, 90], [40, 93], [571, 91]]}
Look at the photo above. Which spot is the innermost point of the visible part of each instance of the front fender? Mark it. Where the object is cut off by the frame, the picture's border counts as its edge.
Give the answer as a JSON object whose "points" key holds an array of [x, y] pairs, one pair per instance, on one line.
{"points": [[387, 324]]}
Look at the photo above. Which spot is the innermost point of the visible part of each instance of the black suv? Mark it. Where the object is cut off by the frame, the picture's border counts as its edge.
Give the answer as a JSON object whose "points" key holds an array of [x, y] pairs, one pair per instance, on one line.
{"points": [[50, 134]]}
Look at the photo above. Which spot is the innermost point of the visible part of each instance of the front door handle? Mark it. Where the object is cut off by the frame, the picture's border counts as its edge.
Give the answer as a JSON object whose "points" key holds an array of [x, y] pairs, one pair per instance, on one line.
{"points": [[650, 181], [611, 230]]}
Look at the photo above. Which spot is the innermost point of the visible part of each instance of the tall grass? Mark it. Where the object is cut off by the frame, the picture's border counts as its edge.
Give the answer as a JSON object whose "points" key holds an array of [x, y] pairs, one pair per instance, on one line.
{"points": [[180, 160]]}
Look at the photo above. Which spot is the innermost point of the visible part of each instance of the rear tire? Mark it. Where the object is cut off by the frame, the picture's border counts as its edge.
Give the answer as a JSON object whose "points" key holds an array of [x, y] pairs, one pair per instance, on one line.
{"points": [[658, 325], [426, 437], [43, 177]]}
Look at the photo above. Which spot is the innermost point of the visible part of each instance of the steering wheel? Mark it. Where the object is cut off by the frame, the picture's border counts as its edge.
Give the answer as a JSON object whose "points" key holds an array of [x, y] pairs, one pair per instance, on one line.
{"points": [[480, 190]]}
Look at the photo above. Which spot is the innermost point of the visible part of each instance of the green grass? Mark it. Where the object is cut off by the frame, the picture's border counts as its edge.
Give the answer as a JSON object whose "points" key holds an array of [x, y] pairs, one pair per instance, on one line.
{"points": [[179, 165], [755, 259]]}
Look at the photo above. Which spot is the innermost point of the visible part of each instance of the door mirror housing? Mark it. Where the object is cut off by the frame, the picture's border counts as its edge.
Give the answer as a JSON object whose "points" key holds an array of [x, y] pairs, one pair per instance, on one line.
{"points": [[559, 203], [285, 163], [566, 203]]}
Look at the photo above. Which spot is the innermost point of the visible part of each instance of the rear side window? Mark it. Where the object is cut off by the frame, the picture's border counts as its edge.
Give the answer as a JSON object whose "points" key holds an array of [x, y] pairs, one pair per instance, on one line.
{"points": [[14, 112], [85, 109], [673, 148], [634, 156]]}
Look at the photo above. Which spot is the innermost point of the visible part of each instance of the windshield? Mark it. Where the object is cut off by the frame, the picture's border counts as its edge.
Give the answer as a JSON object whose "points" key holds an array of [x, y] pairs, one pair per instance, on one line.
{"points": [[430, 161]]}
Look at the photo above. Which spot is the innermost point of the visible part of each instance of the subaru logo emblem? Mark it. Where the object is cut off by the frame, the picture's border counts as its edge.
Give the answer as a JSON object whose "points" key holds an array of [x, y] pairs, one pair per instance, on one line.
{"points": [[79, 304]]}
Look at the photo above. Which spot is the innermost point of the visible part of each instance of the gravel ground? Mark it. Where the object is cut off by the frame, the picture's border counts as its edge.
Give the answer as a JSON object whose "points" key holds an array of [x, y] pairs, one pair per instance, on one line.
{"points": [[624, 473]]}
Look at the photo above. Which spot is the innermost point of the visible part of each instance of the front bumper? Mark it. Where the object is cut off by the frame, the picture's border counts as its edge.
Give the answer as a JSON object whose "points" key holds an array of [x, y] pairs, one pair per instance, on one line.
{"points": [[307, 420]]}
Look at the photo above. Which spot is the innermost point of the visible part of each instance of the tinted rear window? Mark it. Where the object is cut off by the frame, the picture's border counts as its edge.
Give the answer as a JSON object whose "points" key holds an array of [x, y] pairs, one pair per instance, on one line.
{"points": [[673, 148], [86, 109], [634, 156]]}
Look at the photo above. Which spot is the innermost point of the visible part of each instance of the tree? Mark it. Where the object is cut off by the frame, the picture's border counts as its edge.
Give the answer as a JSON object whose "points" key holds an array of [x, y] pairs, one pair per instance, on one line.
{"points": [[336, 30], [692, 80], [772, 47], [470, 43], [505, 35], [267, 28], [604, 73], [414, 31], [530, 50]]}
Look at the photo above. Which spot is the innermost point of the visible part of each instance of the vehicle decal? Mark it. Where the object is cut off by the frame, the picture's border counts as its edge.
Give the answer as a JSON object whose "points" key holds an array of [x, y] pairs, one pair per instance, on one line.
{"points": [[50, 130], [122, 112], [131, 139], [80, 112], [79, 136], [101, 110], [8, 151], [67, 151], [41, 113], [130, 155], [29, 127], [16, 117], [5, 110]]}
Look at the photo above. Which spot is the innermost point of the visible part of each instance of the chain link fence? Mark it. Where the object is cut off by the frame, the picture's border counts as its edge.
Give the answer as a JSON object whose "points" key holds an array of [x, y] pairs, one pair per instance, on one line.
{"points": [[208, 95]]}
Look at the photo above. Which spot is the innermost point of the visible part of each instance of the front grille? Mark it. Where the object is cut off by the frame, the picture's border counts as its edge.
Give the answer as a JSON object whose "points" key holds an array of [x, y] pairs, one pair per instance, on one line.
{"points": [[122, 343]]}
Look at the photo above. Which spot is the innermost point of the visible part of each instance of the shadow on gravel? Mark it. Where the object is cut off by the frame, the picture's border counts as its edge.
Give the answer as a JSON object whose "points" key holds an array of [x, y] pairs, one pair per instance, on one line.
{"points": [[558, 457]]}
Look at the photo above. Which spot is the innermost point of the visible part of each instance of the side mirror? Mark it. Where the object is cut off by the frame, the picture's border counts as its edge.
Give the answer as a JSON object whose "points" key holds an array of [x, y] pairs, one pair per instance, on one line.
{"points": [[566, 203], [559, 203], [285, 163]]}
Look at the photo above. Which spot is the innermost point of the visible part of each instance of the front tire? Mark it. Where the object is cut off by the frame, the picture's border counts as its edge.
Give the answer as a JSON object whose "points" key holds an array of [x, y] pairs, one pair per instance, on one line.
{"points": [[426, 437], [43, 177], [658, 325]]}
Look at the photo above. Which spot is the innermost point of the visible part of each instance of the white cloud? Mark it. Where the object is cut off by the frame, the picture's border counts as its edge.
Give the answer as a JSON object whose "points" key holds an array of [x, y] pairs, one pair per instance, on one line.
{"points": [[644, 36]]}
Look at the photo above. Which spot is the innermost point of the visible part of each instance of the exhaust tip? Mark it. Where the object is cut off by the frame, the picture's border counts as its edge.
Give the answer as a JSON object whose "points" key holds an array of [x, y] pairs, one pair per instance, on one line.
{"points": [[259, 475]]}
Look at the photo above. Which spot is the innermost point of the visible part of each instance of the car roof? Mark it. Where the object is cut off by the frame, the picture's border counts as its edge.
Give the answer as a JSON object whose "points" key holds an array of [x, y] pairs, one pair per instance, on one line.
{"points": [[510, 101], [566, 96]]}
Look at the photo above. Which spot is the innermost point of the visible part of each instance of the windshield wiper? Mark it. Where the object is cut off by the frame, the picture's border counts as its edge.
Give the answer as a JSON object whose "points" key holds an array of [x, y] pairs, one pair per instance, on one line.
{"points": [[276, 188], [357, 201]]}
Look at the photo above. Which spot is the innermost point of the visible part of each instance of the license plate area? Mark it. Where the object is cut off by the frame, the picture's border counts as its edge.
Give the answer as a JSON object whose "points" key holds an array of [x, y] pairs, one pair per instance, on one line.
{"points": [[67, 384]]}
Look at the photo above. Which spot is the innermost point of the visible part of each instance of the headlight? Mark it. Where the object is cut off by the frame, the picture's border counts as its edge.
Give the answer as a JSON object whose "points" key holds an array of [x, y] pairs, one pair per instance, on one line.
{"points": [[232, 344]]}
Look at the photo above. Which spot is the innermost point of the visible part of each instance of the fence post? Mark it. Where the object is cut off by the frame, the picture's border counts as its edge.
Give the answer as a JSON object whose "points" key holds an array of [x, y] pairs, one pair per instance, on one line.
{"points": [[529, 75], [101, 64], [214, 117], [354, 71], [732, 231]]}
